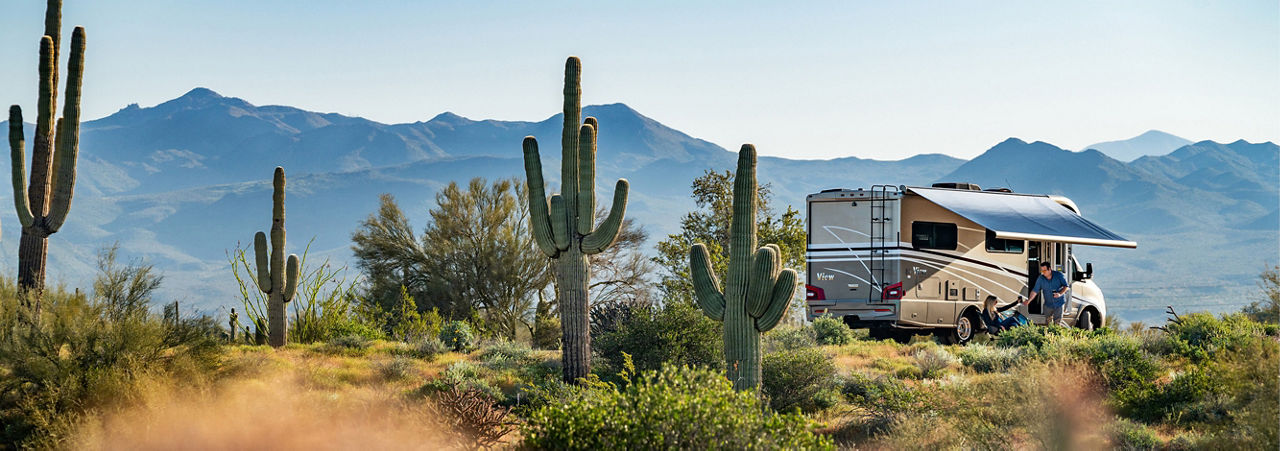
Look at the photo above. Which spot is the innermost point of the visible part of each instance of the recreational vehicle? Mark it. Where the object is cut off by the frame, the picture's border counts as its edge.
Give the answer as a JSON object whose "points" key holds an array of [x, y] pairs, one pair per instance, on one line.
{"points": [[903, 261]]}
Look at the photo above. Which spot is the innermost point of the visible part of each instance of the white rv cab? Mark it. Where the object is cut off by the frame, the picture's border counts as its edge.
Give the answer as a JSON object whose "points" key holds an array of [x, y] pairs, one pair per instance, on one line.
{"points": [[905, 260]]}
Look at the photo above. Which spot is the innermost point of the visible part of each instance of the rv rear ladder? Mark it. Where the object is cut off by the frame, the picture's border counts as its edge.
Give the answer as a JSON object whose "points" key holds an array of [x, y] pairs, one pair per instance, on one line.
{"points": [[879, 234]]}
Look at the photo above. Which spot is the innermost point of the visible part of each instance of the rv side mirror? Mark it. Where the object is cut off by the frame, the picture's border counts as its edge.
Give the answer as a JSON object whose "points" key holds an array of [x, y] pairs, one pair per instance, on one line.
{"points": [[1088, 270]]}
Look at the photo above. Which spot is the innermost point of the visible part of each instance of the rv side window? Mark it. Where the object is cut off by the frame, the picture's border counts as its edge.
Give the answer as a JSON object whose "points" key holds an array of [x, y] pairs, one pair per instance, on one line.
{"points": [[933, 235], [1003, 246]]}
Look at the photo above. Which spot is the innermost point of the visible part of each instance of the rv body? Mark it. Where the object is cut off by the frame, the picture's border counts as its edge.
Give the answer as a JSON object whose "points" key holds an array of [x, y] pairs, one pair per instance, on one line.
{"points": [[902, 260]]}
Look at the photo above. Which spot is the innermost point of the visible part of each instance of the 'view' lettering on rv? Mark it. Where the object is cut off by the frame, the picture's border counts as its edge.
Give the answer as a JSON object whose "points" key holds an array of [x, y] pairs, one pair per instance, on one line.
{"points": [[904, 260]]}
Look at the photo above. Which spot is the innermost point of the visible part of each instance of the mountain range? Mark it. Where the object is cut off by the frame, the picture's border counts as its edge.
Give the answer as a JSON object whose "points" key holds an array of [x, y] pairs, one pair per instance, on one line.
{"points": [[182, 183]]}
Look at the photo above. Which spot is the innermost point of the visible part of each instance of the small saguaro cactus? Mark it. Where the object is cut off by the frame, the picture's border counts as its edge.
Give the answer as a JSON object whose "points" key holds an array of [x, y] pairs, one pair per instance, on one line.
{"points": [[43, 209], [564, 231], [276, 278], [758, 290]]}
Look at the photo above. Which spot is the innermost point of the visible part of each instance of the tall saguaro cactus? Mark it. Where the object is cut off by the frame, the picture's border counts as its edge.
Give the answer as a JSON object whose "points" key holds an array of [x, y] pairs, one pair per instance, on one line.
{"points": [[276, 278], [43, 209], [758, 289], [564, 230]]}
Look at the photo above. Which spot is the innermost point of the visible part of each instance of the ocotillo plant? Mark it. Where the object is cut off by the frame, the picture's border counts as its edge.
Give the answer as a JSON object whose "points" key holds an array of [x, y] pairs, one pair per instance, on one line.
{"points": [[276, 278], [43, 209], [564, 232], [758, 289]]}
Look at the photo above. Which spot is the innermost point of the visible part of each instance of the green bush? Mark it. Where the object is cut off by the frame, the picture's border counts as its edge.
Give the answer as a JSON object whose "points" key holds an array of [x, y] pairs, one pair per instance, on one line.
{"points": [[932, 361], [675, 408], [787, 338], [357, 328], [1200, 336], [457, 335], [1127, 435], [883, 397], [797, 379], [349, 344], [832, 331], [78, 355], [546, 332], [676, 334], [988, 359], [396, 368], [505, 352], [429, 348]]}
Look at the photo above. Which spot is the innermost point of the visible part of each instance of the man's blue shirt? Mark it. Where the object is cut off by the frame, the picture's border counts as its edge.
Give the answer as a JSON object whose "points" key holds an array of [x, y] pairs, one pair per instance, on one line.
{"points": [[1046, 288]]}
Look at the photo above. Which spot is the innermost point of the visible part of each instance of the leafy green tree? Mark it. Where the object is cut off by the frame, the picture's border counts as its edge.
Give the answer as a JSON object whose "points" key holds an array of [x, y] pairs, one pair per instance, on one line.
{"points": [[474, 258], [709, 224]]}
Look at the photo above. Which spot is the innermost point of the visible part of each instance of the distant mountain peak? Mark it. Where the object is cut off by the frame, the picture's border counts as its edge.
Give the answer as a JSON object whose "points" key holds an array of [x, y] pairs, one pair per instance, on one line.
{"points": [[1151, 142], [1012, 141], [201, 93]]}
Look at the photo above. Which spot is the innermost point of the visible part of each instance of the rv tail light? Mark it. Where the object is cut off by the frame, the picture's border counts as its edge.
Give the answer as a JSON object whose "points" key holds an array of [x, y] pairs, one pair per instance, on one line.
{"points": [[812, 293], [884, 310], [892, 292], [819, 311]]}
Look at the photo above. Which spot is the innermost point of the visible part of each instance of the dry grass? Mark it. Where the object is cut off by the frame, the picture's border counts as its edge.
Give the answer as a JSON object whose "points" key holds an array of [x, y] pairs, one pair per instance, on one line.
{"points": [[296, 398]]}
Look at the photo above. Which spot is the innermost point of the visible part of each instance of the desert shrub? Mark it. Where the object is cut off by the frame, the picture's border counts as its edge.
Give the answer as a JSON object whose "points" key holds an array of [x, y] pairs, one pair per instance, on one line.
{"points": [[1200, 336], [78, 355], [676, 333], [1128, 435], [429, 348], [466, 375], [988, 359], [395, 368], [883, 397], [505, 352], [352, 343], [457, 335], [797, 379], [674, 408], [932, 361], [787, 338], [832, 331], [472, 415], [356, 328], [546, 332]]}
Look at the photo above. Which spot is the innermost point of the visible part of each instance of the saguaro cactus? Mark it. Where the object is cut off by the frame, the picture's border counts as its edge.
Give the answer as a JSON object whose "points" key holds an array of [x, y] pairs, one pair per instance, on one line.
{"points": [[276, 278], [564, 231], [43, 209], [758, 289]]}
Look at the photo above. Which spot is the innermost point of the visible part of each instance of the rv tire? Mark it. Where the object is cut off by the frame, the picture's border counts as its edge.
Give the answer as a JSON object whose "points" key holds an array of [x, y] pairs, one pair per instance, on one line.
{"points": [[966, 328], [1086, 320]]}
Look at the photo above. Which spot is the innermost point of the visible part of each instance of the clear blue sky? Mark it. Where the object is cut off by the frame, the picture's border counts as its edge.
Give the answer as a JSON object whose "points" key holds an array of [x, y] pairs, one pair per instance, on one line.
{"points": [[817, 80]]}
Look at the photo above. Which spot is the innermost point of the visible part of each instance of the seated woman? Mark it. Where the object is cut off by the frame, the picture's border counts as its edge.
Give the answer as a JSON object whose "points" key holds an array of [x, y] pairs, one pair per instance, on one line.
{"points": [[991, 315]]}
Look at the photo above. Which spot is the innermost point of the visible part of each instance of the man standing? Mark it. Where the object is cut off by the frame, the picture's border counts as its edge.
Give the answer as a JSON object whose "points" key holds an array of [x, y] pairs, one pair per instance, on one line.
{"points": [[1051, 286]]}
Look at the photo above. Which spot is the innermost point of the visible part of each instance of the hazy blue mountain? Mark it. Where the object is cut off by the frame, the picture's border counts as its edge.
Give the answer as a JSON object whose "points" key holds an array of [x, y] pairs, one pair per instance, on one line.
{"points": [[182, 183], [1152, 142]]}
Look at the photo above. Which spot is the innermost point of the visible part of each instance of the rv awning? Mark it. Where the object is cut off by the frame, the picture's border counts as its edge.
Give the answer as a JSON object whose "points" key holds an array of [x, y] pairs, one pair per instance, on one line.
{"points": [[1023, 217]]}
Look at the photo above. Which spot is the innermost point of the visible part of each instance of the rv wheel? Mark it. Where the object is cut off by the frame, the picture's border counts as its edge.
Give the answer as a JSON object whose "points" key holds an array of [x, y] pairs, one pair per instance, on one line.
{"points": [[964, 330], [1086, 320]]}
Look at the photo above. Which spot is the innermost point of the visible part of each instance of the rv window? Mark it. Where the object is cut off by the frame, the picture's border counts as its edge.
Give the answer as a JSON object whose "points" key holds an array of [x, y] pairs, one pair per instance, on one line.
{"points": [[933, 235], [1001, 245]]}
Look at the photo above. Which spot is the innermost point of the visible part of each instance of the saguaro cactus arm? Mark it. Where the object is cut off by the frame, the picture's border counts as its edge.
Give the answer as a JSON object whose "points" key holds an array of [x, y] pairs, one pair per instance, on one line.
{"points": [[68, 142], [18, 161], [586, 177], [260, 252], [779, 299], [607, 233], [291, 277], [706, 287], [539, 213]]}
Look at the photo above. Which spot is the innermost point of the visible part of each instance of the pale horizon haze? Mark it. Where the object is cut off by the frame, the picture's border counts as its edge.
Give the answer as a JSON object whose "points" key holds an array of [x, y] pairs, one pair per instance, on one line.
{"points": [[804, 80]]}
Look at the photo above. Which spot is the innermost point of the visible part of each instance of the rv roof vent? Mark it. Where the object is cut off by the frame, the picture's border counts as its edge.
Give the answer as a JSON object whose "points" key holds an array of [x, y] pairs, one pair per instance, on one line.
{"points": [[832, 190], [955, 185], [999, 190]]}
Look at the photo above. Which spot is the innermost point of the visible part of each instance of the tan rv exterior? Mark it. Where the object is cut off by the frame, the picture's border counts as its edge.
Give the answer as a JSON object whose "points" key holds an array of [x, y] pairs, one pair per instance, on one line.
{"points": [[886, 259]]}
